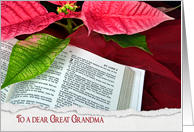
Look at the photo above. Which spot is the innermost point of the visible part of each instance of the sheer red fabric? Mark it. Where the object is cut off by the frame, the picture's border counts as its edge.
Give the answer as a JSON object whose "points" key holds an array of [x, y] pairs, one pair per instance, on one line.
{"points": [[162, 86]]}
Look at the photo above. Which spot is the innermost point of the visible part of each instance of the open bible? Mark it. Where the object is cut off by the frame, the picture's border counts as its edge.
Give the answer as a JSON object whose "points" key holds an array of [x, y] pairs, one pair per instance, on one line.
{"points": [[76, 77]]}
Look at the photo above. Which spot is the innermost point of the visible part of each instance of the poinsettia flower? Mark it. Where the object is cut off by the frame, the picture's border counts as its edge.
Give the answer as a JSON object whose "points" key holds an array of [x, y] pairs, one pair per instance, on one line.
{"points": [[62, 2], [121, 17], [24, 17], [68, 7]]}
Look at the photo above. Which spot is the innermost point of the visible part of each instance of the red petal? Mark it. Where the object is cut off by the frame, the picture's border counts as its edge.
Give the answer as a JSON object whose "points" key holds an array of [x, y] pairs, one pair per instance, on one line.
{"points": [[72, 14], [61, 2], [120, 17], [24, 17]]}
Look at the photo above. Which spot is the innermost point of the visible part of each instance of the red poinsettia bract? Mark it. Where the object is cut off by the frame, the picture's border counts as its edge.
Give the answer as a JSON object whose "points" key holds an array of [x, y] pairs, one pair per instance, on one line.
{"points": [[105, 17], [24, 17], [121, 17]]}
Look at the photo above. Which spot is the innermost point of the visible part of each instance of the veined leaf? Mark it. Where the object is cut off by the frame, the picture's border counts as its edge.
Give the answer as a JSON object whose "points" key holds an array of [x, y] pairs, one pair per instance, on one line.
{"points": [[32, 57], [121, 17], [124, 41], [24, 17]]}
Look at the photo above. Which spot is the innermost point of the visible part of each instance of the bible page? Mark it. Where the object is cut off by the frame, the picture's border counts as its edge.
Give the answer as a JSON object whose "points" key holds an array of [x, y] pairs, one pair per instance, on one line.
{"points": [[6, 48], [43, 89], [90, 81], [76, 77], [137, 90]]}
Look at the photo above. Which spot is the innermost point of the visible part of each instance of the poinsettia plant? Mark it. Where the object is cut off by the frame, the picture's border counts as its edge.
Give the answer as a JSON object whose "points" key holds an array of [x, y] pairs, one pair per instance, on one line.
{"points": [[119, 21]]}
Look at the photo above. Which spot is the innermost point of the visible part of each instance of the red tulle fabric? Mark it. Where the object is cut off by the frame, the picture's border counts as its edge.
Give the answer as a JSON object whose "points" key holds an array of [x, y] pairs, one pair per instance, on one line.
{"points": [[162, 86]]}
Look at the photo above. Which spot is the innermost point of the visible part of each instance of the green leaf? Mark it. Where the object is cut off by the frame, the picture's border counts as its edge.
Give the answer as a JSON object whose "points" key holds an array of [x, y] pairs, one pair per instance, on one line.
{"points": [[125, 41], [32, 57]]}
